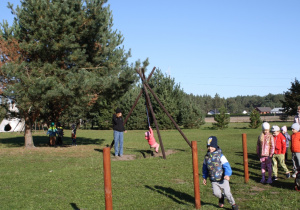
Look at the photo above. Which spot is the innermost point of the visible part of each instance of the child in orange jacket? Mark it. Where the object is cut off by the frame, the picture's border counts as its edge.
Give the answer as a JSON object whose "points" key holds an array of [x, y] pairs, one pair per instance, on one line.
{"points": [[151, 140], [295, 148]]}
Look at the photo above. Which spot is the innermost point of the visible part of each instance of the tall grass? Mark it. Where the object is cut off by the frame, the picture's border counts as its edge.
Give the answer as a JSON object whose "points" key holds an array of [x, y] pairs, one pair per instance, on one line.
{"points": [[72, 177]]}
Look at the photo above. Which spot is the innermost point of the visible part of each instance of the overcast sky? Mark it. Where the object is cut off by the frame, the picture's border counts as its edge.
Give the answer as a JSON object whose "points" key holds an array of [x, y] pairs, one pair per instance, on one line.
{"points": [[232, 47]]}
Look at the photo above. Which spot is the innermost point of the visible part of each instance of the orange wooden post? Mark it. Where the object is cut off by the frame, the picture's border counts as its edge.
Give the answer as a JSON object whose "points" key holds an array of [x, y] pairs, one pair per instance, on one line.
{"points": [[196, 175], [107, 178], [246, 173]]}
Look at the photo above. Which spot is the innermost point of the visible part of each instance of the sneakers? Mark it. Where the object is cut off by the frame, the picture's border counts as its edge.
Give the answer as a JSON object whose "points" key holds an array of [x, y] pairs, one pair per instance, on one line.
{"points": [[275, 178], [235, 207], [221, 201], [294, 175], [288, 175]]}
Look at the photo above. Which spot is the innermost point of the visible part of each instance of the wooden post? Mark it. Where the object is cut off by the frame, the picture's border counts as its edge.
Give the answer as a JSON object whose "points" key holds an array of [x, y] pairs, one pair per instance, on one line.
{"points": [[196, 175], [107, 178], [246, 173]]}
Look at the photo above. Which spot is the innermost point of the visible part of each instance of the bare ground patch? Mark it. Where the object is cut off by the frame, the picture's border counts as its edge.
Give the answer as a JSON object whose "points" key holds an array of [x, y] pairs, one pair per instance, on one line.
{"points": [[151, 154]]}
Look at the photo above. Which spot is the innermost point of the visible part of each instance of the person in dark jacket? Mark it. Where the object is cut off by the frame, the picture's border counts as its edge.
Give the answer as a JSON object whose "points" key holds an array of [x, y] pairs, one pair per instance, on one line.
{"points": [[119, 129]]}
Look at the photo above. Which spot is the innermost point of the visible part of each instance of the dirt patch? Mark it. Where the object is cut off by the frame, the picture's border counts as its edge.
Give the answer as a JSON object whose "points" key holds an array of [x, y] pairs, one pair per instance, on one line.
{"points": [[133, 157]]}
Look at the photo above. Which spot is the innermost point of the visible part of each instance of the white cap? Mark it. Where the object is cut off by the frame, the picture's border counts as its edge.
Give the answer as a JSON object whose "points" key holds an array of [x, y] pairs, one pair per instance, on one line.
{"points": [[296, 126], [265, 126], [275, 128], [284, 128]]}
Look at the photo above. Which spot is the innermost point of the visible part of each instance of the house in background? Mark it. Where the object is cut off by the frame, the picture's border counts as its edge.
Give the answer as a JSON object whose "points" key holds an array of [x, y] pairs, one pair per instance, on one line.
{"points": [[263, 110], [277, 111], [213, 112]]}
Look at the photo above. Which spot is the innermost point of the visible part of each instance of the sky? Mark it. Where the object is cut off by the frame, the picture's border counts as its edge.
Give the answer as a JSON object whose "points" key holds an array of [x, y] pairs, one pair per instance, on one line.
{"points": [[225, 47]]}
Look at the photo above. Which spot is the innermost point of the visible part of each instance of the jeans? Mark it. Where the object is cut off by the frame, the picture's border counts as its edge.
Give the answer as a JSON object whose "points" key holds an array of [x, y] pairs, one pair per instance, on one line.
{"points": [[118, 138]]}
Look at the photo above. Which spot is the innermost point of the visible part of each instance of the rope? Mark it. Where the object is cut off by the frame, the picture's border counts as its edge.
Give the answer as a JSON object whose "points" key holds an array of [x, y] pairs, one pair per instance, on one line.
{"points": [[147, 114]]}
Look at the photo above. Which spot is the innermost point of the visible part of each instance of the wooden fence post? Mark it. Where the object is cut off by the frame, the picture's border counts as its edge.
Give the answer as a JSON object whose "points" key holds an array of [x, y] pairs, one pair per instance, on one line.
{"points": [[107, 178], [245, 152], [196, 175]]}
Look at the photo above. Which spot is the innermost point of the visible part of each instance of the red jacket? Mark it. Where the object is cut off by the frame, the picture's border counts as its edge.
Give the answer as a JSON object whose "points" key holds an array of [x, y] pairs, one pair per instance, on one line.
{"points": [[295, 142], [280, 144]]}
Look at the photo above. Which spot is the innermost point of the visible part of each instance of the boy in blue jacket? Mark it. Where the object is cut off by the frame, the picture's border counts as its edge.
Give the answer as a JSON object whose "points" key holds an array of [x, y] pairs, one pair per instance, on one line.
{"points": [[217, 168]]}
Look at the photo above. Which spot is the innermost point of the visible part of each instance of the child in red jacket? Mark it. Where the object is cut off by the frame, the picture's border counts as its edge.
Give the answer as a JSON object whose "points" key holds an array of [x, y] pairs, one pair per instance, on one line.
{"points": [[151, 140], [280, 147], [295, 148]]}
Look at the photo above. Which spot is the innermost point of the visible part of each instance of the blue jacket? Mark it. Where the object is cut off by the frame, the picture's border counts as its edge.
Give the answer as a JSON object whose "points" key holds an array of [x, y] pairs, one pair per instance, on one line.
{"points": [[52, 131]]}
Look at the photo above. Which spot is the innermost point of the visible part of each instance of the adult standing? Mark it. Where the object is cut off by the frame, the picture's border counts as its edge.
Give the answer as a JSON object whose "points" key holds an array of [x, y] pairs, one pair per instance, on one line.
{"points": [[297, 117], [119, 129]]}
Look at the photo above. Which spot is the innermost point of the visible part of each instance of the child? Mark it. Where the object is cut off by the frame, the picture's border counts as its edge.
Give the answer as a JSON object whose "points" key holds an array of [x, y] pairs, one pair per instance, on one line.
{"points": [[73, 135], [265, 150], [52, 134], [295, 147], [60, 133], [217, 168], [280, 147], [151, 140], [287, 140]]}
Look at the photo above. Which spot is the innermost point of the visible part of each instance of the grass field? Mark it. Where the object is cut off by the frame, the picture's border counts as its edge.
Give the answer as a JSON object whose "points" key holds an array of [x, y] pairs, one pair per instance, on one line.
{"points": [[72, 177]]}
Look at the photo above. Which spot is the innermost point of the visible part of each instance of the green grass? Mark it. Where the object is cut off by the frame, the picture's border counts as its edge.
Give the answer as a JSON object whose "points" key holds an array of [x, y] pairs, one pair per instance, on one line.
{"points": [[72, 177]]}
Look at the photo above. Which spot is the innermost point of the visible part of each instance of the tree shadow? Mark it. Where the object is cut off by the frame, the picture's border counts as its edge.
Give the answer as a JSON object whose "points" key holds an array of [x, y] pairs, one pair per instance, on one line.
{"points": [[43, 141]]}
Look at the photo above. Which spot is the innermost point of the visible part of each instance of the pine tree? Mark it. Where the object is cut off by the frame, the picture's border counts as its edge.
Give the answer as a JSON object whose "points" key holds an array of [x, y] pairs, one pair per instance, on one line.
{"points": [[69, 56], [292, 98], [255, 120], [222, 119]]}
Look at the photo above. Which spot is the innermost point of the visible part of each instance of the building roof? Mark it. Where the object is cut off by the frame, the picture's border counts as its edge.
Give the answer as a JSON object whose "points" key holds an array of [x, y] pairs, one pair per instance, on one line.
{"points": [[264, 109]]}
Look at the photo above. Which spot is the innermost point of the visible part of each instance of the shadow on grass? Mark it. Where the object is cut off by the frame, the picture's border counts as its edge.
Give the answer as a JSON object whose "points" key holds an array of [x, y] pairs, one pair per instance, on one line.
{"points": [[172, 194], [43, 141], [74, 206], [176, 195]]}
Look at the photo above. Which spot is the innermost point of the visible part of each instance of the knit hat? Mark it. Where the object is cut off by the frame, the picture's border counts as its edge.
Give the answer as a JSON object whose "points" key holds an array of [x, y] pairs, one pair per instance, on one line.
{"points": [[52, 124], [296, 126], [118, 110], [284, 128], [212, 141], [265, 126], [275, 128]]}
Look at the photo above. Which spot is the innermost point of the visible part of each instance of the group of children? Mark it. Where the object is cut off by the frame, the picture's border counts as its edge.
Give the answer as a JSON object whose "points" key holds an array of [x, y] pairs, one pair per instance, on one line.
{"points": [[272, 149], [58, 132]]}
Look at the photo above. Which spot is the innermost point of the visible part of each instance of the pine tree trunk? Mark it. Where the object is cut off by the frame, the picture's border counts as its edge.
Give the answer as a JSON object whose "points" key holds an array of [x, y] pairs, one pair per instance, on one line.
{"points": [[28, 134]]}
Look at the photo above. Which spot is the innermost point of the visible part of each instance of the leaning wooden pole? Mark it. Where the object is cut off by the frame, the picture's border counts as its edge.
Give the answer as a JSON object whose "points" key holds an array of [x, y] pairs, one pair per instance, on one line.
{"points": [[137, 99], [134, 105], [167, 113], [107, 178], [245, 152], [196, 175], [155, 122]]}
